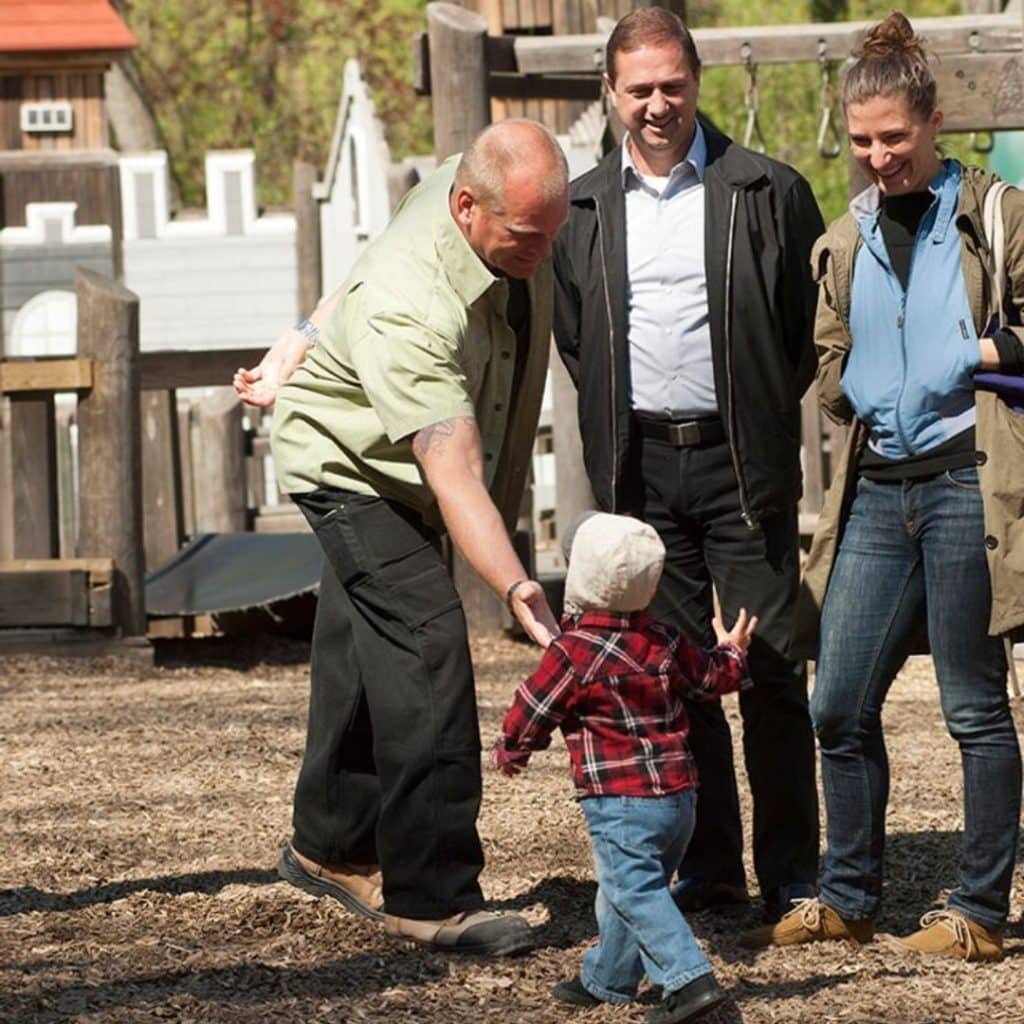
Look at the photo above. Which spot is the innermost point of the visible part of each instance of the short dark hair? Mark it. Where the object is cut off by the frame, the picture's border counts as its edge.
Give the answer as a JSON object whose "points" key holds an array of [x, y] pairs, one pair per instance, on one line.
{"points": [[891, 62], [649, 26]]}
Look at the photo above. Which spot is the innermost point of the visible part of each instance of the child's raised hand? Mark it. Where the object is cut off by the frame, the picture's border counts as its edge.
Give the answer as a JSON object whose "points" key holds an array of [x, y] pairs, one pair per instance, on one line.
{"points": [[742, 631]]}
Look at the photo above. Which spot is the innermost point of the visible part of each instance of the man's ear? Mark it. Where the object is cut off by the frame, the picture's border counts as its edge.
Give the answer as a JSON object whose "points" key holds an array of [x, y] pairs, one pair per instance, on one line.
{"points": [[463, 204], [609, 85]]}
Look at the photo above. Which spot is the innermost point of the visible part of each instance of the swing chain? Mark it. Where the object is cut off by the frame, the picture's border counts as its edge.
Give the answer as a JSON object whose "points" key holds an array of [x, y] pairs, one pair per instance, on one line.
{"points": [[752, 103], [829, 139]]}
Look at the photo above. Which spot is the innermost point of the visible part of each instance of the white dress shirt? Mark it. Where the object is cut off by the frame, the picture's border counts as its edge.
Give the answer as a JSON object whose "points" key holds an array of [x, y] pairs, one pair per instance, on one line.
{"points": [[666, 288]]}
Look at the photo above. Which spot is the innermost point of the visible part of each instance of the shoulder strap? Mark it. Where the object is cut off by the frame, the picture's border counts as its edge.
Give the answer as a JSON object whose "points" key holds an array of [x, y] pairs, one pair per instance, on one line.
{"points": [[992, 218]]}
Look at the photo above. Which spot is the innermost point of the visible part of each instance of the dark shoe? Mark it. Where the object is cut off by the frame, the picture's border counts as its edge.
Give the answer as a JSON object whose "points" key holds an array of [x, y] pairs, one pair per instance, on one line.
{"points": [[688, 1003], [809, 921], [480, 932], [779, 902], [692, 895], [573, 992], [357, 887]]}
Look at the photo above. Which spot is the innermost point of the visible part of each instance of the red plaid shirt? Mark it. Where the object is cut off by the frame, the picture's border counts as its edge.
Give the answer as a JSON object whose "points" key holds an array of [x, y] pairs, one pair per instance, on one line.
{"points": [[615, 684]]}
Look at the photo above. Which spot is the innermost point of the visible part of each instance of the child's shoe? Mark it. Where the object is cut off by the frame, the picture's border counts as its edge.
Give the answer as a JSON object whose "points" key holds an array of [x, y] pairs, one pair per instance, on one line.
{"points": [[688, 1003]]}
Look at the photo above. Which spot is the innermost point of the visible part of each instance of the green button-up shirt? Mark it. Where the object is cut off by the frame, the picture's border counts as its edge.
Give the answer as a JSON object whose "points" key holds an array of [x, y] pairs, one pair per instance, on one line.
{"points": [[419, 336]]}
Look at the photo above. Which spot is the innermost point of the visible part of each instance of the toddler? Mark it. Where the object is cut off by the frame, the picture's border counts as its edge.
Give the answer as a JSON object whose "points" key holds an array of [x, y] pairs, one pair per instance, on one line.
{"points": [[614, 682]]}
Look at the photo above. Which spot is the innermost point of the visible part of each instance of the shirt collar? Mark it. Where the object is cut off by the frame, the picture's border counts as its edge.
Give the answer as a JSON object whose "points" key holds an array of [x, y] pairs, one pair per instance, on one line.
{"points": [[696, 159], [604, 619], [466, 272]]}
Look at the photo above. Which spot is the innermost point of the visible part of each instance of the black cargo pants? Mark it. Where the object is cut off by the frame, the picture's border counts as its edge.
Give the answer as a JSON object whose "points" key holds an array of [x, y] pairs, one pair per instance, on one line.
{"points": [[391, 771]]}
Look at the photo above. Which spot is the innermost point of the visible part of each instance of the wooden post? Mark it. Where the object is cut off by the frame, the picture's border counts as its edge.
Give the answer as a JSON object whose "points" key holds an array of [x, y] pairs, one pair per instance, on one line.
{"points": [[163, 527], [34, 476], [458, 85], [307, 236], [572, 487], [109, 451], [6, 482], [220, 466]]}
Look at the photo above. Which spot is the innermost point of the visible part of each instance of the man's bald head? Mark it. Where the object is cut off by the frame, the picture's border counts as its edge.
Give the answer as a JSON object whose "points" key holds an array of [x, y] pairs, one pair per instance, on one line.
{"points": [[510, 196], [516, 149]]}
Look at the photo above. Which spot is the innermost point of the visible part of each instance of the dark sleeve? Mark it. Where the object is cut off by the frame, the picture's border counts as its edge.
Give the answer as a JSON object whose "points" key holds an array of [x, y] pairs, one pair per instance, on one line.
{"points": [[567, 307], [801, 227]]}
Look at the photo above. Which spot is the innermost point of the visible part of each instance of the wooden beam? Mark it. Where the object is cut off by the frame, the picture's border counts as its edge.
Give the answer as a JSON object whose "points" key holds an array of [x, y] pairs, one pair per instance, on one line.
{"points": [[571, 55], [97, 567], [983, 91], [183, 369], [29, 599], [23, 375]]}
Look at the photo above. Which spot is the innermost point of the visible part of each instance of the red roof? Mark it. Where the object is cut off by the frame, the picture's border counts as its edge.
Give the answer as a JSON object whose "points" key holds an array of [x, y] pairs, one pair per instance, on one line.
{"points": [[46, 25]]}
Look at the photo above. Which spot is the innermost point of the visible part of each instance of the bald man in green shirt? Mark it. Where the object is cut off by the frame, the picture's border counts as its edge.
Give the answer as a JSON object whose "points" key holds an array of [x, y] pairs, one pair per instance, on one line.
{"points": [[413, 415]]}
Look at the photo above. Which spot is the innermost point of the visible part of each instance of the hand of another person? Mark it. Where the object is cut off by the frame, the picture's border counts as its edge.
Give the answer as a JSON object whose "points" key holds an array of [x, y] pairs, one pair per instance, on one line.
{"points": [[742, 631], [530, 607]]}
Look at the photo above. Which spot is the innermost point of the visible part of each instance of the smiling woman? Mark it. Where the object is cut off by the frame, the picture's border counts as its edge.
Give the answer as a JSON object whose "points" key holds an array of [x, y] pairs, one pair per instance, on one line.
{"points": [[904, 322]]}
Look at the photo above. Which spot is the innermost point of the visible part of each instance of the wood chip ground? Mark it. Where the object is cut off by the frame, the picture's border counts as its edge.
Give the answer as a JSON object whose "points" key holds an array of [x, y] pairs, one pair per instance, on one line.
{"points": [[141, 812]]}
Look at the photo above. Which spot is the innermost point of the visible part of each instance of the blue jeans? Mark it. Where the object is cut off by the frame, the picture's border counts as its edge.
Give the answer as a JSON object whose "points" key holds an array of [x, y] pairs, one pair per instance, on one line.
{"points": [[638, 843], [909, 548]]}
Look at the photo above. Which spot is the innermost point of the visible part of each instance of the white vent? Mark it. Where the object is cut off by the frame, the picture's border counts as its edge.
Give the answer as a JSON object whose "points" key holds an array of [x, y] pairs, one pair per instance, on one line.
{"points": [[47, 116]]}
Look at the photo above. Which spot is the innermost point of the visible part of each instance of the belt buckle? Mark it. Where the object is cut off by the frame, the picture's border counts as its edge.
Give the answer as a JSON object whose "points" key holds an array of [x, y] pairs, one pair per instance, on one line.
{"points": [[684, 435]]}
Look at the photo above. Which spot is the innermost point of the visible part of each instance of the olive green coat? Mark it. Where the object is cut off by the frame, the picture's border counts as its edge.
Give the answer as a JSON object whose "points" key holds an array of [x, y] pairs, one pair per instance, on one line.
{"points": [[1000, 432]]}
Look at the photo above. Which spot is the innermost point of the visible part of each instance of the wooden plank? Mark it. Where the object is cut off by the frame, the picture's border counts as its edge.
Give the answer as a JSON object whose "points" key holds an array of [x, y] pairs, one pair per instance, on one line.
{"points": [[182, 369], [162, 527], [21, 375], [110, 506], [461, 105], [981, 91], [188, 502], [769, 44], [813, 464], [29, 599], [96, 567], [34, 477], [221, 505]]}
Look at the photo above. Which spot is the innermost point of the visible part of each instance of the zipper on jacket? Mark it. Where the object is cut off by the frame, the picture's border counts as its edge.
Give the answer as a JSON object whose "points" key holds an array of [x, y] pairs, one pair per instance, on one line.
{"points": [[611, 356], [745, 513]]}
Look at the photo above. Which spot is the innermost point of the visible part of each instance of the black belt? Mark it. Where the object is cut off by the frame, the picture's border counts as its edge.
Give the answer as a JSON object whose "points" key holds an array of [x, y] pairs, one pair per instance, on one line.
{"points": [[683, 433]]}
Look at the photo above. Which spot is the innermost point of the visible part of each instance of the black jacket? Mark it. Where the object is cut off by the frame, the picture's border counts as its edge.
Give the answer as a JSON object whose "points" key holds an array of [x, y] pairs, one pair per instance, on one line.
{"points": [[761, 220]]}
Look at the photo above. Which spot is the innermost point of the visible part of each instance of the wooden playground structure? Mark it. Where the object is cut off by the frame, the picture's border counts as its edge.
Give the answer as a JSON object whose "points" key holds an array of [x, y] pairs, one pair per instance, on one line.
{"points": [[134, 500]]}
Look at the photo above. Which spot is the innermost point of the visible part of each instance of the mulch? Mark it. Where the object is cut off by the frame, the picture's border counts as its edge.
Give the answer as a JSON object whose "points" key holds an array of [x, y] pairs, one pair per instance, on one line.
{"points": [[141, 812]]}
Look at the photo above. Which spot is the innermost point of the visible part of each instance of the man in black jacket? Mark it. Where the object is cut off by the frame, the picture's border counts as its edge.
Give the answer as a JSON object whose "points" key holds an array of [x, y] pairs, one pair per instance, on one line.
{"points": [[684, 311]]}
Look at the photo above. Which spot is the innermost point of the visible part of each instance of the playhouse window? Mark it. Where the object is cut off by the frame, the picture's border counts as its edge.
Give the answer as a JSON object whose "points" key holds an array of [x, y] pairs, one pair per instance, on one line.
{"points": [[46, 117]]}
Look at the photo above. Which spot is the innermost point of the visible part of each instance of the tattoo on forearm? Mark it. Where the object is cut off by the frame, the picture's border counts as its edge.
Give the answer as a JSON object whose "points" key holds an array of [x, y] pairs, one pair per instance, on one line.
{"points": [[432, 440]]}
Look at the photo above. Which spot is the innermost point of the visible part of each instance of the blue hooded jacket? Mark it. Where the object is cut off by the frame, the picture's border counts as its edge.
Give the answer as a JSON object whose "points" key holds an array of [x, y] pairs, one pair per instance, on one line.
{"points": [[910, 375]]}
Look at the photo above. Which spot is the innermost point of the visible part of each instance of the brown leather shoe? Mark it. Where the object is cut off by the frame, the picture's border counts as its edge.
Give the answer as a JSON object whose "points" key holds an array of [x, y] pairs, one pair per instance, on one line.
{"points": [[473, 931], [951, 933], [356, 886], [809, 921]]}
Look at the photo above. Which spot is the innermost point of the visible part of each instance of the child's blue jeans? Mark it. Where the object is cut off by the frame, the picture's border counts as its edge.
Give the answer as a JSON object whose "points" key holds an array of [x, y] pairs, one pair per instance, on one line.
{"points": [[638, 843]]}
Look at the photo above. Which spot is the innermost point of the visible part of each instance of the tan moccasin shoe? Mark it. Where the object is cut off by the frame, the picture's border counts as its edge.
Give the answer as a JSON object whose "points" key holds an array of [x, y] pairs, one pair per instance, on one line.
{"points": [[951, 933], [473, 931], [356, 886], [809, 921]]}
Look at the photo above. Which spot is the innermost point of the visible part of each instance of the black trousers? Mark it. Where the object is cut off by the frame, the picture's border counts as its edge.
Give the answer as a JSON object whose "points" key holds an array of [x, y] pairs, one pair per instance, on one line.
{"points": [[691, 498], [391, 772]]}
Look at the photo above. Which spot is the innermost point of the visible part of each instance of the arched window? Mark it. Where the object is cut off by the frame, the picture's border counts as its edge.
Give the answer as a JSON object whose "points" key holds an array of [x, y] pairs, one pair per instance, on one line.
{"points": [[45, 326]]}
